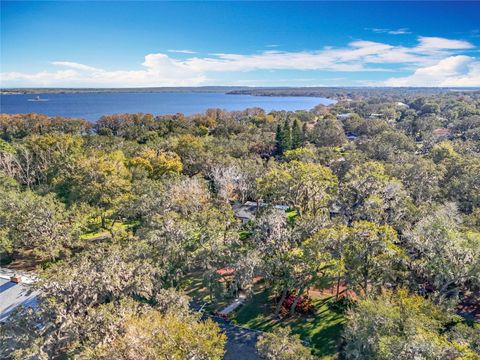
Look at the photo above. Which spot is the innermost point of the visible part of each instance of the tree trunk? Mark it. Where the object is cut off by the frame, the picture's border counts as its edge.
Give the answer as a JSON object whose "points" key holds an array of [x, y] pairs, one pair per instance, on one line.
{"points": [[282, 299], [338, 288], [297, 299], [445, 287], [365, 283], [366, 275], [110, 228]]}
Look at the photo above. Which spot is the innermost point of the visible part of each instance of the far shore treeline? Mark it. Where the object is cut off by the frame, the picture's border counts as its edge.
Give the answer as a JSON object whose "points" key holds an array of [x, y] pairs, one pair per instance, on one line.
{"points": [[336, 93]]}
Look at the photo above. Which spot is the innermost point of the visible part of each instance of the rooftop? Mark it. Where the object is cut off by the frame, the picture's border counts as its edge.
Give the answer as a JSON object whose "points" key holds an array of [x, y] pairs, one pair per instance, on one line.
{"points": [[13, 294]]}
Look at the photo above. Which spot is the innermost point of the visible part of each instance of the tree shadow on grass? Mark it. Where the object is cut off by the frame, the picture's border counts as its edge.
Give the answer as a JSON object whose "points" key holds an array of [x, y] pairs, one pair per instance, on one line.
{"points": [[322, 330]]}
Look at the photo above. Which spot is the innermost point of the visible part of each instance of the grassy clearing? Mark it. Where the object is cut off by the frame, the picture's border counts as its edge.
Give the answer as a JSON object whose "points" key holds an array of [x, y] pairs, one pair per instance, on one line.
{"points": [[96, 232], [194, 286], [291, 214], [321, 330]]}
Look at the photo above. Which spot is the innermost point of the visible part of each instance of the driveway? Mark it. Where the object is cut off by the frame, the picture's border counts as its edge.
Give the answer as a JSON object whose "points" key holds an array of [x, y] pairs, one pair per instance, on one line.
{"points": [[240, 341]]}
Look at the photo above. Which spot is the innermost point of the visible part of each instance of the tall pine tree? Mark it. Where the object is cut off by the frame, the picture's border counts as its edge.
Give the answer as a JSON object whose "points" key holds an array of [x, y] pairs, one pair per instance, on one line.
{"points": [[297, 135], [278, 140], [286, 137], [304, 133], [283, 138]]}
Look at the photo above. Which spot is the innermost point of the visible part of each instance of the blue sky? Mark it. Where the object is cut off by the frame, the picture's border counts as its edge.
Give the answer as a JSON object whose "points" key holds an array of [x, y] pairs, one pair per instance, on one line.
{"points": [[125, 44]]}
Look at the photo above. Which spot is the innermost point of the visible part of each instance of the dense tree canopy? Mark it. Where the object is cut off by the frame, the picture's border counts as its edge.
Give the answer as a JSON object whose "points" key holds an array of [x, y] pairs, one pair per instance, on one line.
{"points": [[399, 326]]}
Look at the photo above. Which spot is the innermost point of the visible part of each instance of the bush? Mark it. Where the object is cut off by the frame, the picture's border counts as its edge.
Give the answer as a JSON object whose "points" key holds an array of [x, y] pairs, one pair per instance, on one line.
{"points": [[341, 305], [304, 306]]}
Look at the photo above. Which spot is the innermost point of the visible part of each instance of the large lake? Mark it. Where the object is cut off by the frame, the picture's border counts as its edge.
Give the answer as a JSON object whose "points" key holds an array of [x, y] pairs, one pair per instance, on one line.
{"points": [[92, 106]]}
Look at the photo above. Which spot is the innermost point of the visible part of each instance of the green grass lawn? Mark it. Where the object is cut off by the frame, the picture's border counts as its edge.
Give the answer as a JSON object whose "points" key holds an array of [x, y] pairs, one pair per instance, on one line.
{"points": [[194, 287], [94, 234], [291, 214], [321, 330], [97, 232]]}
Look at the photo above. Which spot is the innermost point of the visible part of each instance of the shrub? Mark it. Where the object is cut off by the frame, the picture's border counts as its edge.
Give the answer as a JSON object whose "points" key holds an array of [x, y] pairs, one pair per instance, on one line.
{"points": [[304, 306]]}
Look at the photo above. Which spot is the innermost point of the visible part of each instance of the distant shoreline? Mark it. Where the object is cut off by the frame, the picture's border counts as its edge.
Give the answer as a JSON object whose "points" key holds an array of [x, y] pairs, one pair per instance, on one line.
{"points": [[213, 89], [337, 93]]}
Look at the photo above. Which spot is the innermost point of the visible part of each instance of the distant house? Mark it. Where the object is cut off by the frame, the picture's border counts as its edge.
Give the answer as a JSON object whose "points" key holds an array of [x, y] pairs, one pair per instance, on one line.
{"points": [[344, 116], [375, 115], [226, 274], [15, 290], [351, 136], [442, 133], [335, 209], [402, 105], [247, 211]]}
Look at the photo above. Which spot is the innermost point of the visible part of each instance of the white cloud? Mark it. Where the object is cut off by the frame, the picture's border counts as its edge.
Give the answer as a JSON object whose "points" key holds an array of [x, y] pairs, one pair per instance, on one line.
{"points": [[452, 71], [438, 43], [158, 70], [43, 78], [182, 51], [401, 31], [357, 56], [74, 65]]}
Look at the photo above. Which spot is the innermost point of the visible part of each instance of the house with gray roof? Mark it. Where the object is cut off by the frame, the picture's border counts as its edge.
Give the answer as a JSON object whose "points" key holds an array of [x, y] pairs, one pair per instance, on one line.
{"points": [[15, 290], [248, 210], [245, 212]]}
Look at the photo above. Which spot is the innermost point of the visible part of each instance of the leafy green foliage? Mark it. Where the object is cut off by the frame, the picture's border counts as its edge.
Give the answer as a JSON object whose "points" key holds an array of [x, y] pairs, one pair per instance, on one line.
{"points": [[153, 335], [281, 345], [402, 326]]}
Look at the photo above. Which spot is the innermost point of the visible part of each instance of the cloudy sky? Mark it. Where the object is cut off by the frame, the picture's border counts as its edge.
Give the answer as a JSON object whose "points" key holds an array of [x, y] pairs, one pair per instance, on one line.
{"points": [[129, 44]]}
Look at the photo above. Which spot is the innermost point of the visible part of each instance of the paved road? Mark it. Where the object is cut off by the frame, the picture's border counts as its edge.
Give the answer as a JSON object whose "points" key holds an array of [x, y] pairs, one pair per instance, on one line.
{"points": [[240, 341]]}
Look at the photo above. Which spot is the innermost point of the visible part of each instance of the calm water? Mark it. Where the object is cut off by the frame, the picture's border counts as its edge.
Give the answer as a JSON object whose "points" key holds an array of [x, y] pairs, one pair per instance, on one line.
{"points": [[91, 106]]}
